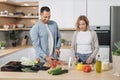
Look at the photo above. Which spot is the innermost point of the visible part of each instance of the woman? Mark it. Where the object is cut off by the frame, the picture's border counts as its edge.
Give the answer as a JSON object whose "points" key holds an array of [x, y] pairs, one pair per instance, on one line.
{"points": [[85, 41]]}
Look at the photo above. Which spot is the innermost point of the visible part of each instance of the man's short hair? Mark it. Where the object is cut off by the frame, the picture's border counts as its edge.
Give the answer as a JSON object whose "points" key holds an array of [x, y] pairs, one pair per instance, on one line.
{"points": [[44, 8]]}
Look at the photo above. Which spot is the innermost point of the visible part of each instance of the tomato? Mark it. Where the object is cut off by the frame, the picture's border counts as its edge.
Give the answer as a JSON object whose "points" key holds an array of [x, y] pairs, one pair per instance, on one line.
{"points": [[87, 68], [59, 62], [55, 61], [53, 65]]}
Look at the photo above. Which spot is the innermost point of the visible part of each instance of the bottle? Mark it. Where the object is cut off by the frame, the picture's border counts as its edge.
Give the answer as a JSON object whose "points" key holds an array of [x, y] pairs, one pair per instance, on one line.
{"points": [[105, 65], [98, 65], [24, 41]]}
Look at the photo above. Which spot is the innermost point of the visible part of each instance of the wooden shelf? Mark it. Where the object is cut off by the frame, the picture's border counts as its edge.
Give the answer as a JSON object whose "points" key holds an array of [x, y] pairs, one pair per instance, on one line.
{"points": [[14, 16], [25, 28], [1, 29], [62, 29], [32, 4], [67, 29], [65, 47]]}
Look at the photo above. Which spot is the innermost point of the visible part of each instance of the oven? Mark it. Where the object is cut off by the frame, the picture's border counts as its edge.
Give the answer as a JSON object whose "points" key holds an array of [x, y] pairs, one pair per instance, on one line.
{"points": [[103, 33]]}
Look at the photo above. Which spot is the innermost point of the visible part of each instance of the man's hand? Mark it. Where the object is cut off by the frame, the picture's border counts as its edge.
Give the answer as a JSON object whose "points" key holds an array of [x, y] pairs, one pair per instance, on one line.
{"points": [[48, 59], [57, 51], [38, 60]]}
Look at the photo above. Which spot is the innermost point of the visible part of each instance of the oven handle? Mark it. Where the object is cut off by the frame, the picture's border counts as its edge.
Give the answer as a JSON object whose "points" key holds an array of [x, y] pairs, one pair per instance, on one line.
{"points": [[102, 31]]}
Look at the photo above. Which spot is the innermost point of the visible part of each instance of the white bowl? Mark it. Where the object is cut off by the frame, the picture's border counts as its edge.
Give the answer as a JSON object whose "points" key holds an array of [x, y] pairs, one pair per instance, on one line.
{"points": [[20, 25], [2, 47], [5, 26]]}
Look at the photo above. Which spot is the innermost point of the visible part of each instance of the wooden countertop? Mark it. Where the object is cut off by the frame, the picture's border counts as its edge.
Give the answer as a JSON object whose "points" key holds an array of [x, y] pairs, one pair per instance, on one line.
{"points": [[73, 74], [65, 47], [43, 75]]}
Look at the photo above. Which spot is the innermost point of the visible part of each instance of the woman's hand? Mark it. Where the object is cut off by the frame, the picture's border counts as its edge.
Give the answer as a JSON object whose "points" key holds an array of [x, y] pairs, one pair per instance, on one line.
{"points": [[77, 58], [89, 60]]}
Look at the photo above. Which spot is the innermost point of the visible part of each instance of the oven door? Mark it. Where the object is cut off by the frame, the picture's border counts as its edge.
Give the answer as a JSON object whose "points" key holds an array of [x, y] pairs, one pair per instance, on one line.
{"points": [[103, 37]]}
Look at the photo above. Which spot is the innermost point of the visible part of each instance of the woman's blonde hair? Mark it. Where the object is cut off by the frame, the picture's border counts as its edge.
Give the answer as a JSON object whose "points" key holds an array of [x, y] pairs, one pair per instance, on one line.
{"points": [[84, 18]]}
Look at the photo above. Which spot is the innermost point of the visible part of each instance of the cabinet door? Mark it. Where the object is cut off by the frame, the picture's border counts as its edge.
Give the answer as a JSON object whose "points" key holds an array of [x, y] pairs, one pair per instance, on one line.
{"points": [[98, 12], [65, 12], [65, 54], [79, 9], [114, 2], [104, 53]]}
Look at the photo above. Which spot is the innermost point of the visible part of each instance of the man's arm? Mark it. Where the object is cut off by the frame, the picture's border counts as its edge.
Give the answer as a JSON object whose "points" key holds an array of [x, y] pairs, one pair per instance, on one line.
{"points": [[35, 41], [58, 45]]}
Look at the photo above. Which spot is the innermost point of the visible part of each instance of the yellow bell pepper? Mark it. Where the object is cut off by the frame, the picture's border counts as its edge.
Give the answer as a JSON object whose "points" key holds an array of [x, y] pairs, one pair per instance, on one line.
{"points": [[79, 66]]}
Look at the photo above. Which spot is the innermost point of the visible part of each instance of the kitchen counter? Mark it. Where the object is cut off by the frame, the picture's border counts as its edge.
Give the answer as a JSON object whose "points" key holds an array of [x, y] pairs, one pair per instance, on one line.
{"points": [[10, 50], [73, 74], [43, 75]]}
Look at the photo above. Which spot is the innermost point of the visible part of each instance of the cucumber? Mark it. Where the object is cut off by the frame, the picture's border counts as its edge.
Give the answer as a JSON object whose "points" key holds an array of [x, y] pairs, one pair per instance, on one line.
{"points": [[57, 69], [60, 72]]}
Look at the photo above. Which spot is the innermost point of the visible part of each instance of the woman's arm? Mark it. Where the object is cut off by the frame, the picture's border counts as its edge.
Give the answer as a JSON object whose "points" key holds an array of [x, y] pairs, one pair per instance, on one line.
{"points": [[95, 44]]}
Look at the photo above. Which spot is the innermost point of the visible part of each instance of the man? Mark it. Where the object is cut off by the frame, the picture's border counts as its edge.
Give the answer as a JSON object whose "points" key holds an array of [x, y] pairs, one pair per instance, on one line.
{"points": [[46, 37]]}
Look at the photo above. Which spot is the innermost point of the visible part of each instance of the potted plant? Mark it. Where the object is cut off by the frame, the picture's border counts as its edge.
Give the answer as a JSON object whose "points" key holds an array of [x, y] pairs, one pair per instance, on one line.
{"points": [[116, 59], [62, 41], [13, 35], [3, 44]]}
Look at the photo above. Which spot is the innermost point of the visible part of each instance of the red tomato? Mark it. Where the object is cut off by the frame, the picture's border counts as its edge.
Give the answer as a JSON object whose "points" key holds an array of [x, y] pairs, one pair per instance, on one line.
{"points": [[87, 68], [59, 62], [53, 64]]}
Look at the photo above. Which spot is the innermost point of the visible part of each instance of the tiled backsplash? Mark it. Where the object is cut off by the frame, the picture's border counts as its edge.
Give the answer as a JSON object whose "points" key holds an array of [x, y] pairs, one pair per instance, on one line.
{"points": [[67, 35]]}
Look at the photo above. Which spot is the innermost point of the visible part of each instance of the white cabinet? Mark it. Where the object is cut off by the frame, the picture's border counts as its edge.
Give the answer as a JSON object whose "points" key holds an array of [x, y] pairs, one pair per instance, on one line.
{"points": [[104, 53], [65, 54], [114, 2], [79, 9], [98, 12], [65, 12]]}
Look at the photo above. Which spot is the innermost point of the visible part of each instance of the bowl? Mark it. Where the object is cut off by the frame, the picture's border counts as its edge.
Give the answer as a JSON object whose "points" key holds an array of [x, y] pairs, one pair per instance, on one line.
{"points": [[5, 26], [20, 25]]}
